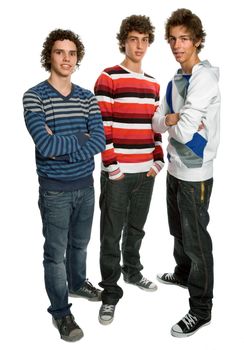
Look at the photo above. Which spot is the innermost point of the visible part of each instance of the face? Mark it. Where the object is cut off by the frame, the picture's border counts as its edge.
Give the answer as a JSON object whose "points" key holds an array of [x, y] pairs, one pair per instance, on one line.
{"points": [[182, 45], [136, 46], [63, 58]]}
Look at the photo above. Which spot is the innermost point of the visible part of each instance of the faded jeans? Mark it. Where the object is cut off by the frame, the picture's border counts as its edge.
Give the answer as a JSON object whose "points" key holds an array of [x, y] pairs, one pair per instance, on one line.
{"points": [[67, 221]]}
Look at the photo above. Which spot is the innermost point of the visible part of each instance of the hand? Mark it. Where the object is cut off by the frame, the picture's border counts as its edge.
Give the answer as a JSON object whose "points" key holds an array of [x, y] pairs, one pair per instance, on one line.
{"points": [[172, 119], [152, 173], [201, 126], [49, 131]]}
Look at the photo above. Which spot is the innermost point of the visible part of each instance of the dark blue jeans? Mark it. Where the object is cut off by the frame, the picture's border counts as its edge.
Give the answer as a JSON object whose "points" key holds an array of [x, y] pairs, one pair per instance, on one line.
{"points": [[67, 221], [187, 204], [124, 208]]}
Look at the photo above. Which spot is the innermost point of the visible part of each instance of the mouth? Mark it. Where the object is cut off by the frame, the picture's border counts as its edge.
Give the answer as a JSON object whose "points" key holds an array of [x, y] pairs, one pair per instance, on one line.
{"points": [[66, 66], [178, 54]]}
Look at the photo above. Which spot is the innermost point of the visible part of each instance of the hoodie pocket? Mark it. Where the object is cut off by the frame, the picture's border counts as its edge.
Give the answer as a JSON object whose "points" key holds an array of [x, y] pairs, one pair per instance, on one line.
{"points": [[191, 153]]}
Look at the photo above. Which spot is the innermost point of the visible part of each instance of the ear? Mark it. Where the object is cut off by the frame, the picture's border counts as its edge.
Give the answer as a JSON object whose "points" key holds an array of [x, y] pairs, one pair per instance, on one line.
{"points": [[198, 43]]}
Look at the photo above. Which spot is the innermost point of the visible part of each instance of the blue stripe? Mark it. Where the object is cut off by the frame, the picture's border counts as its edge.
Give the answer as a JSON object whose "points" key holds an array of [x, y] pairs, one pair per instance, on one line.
{"points": [[80, 115], [197, 144], [169, 97]]}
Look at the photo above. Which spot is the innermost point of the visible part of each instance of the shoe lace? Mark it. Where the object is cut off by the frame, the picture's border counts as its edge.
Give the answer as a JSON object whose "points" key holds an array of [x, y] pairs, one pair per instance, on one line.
{"points": [[170, 277], [67, 324], [108, 308], [189, 320], [144, 281], [89, 287]]}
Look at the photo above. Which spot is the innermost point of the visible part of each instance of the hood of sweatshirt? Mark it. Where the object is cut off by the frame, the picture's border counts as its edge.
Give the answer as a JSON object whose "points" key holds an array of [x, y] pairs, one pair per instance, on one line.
{"points": [[207, 65], [201, 65]]}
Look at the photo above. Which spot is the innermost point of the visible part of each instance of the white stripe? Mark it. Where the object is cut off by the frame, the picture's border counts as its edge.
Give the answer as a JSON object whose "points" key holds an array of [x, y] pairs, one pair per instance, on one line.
{"points": [[132, 76], [109, 146], [102, 98], [132, 126], [133, 168], [139, 100], [107, 123], [133, 150]]}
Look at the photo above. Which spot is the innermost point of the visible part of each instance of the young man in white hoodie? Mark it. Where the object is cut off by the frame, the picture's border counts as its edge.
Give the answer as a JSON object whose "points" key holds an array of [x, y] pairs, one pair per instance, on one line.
{"points": [[190, 114]]}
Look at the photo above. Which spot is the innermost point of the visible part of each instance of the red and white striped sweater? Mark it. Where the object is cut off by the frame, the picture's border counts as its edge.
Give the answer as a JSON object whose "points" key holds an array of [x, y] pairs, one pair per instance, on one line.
{"points": [[127, 101]]}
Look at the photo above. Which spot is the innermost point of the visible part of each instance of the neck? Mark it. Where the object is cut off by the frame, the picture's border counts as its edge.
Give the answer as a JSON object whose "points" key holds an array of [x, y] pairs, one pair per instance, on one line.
{"points": [[133, 66], [188, 66], [61, 84]]}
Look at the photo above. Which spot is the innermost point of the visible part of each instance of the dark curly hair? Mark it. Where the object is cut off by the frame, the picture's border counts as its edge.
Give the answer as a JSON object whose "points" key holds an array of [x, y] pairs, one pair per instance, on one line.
{"points": [[184, 17], [141, 24], [60, 34]]}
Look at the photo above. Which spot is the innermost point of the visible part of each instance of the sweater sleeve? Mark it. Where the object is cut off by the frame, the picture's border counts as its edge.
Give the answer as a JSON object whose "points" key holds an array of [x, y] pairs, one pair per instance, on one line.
{"points": [[158, 121], [158, 151], [104, 93], [96, 138], [201, 91], [48, 146]]}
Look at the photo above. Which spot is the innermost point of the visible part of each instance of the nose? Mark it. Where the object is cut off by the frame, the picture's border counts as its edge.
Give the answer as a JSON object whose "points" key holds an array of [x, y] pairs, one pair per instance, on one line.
{"points": [[177, 43], [139, 44], [66, 56]]}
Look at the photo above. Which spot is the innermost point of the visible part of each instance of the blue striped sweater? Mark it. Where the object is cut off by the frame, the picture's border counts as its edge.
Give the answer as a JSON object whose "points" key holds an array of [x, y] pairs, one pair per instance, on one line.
{"points": [[64, 160]]}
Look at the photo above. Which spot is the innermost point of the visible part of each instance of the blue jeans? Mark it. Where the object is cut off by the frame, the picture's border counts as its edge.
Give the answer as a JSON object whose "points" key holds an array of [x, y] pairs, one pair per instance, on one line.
{"points": [[187, 204], [67, 221], [124, 208]]}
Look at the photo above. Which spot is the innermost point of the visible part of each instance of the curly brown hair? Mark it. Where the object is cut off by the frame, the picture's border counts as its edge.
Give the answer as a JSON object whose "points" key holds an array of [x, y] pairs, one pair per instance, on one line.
{"points": [[184, 17], [140, 24], [60, 34]]}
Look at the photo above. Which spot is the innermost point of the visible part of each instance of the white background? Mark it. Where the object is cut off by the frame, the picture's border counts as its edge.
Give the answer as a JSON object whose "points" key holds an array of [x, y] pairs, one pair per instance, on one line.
{"points": [[142, 320]]}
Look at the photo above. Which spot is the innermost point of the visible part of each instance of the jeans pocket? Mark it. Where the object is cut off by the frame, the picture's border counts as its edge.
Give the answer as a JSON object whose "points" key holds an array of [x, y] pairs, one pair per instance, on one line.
{"points": [[53, 193]]}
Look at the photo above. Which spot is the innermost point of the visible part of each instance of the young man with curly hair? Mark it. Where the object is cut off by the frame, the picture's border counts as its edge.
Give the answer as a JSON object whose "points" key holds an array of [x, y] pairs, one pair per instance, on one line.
{"points": [[190, 113], [66, 126], [128, 98]]}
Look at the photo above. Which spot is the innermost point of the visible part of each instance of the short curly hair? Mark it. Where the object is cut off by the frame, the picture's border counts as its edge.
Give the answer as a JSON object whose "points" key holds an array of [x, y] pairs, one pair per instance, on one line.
{"points": [[184, 17], [60, 34], [140, 24]]}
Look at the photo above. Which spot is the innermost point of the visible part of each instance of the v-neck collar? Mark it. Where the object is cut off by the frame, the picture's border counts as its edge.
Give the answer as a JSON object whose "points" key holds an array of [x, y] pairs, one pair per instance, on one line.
{"points": [[58, 93]]}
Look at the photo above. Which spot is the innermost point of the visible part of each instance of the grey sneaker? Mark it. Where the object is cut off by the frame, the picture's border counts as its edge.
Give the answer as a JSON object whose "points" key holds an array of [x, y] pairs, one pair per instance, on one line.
{"points": [[87, 291], [169, 278], [188, 325], [106, 314], [144, 284], [68, 328]]}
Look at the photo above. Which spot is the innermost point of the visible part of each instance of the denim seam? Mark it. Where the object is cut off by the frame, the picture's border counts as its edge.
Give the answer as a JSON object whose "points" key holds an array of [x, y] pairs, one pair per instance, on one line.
{"points": [[200, 245]]}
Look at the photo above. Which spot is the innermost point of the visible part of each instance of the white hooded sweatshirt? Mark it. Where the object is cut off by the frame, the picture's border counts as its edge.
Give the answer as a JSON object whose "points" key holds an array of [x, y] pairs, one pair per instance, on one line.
{"points": [[196, 98]]}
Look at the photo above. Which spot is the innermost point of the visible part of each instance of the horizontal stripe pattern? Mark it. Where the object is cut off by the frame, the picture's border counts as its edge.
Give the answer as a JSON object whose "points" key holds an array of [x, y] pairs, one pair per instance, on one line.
{"points": [[66, 155], [127, 102]]}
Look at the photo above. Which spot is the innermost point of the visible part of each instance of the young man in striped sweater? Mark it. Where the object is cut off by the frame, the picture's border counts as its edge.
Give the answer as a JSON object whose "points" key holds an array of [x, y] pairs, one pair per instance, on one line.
{"points": [[133, 157], [66, 126], [190, 113]]}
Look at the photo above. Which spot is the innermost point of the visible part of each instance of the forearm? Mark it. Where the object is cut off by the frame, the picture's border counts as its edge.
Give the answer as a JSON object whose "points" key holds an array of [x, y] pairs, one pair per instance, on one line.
{"points": [[48, 145], [158, 120]]}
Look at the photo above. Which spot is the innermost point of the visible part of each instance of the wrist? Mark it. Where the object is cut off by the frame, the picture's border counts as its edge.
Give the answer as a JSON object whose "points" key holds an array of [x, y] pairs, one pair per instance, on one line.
{"points": [[166, 120]]}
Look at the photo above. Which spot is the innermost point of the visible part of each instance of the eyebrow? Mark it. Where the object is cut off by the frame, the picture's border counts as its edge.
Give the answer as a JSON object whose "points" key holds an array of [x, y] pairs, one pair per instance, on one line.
{"points": [[57, 49], [136, 37], [181, 36]]}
